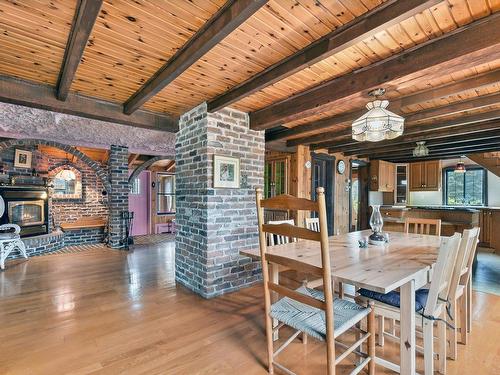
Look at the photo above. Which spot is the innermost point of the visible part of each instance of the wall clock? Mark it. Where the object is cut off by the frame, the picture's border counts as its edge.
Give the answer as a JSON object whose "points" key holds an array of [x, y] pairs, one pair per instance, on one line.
{"points": [[341, 167]]}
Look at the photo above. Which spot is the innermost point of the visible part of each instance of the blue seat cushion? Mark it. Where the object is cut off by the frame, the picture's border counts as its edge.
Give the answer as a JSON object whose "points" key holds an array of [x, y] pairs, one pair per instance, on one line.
{"points": [[393, 298]]}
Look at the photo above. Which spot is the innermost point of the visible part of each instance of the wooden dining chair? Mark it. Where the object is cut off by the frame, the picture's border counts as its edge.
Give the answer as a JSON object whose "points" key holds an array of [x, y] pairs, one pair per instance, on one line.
{"points": [[460, 281], [429, 303], [422, 226], [310, 311], [312, 223], [275, 239]]}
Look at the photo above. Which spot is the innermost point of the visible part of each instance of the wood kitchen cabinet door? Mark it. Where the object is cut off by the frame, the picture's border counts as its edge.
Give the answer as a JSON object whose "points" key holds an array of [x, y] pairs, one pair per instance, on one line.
{"points": [[416, 176], [432, 175]]}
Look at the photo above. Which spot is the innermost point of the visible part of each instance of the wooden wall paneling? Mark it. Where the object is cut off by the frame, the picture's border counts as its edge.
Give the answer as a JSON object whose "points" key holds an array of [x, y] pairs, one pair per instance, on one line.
{"points": [[300, 179]]}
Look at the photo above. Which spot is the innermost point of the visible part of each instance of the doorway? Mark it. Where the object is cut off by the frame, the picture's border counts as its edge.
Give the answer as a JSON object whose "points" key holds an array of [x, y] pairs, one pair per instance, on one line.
{"points": [[323, 175], [358, 199], [139, 202]]}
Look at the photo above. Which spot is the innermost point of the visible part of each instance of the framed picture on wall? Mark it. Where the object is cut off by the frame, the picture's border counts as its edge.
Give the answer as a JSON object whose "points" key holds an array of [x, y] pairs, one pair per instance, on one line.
{"points": [[226, 172], [22, 159]]}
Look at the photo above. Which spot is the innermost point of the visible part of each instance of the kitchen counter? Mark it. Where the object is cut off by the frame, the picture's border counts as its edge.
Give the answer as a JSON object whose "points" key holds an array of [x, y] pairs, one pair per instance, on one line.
{"points": [[453, 219]]}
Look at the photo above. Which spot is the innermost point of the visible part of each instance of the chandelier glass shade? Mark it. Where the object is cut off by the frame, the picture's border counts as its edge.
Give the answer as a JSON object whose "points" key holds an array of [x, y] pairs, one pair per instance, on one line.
{"points": [[421, 150], [377, 124]]}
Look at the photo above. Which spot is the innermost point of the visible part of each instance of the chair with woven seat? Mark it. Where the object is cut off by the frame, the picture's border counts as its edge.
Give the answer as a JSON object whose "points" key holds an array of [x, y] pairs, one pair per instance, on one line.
{"points": [[459, 297], [430, 303], [306, 310], [9, 241]]}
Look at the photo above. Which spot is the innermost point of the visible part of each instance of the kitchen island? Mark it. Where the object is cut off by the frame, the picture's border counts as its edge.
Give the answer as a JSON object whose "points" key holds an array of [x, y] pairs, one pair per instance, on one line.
{"points": [[453, 219]]}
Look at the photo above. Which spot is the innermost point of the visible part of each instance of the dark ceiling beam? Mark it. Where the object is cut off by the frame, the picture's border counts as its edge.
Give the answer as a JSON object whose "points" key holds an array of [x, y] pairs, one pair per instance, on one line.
{"points": [[421, 132], [478, 136], [225, 21], [440, 92], [433, 149], [443, 155], [29, 94], [458, 44], [85, 16], [411, 119], [378, 19]]}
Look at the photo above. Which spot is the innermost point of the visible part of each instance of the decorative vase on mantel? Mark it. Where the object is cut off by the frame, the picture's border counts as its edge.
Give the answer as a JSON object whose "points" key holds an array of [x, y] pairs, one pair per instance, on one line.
{"points": [[376, 223]]}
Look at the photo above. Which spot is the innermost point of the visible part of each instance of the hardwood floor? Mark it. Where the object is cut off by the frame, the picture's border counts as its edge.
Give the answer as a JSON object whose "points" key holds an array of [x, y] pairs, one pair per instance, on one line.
{"points": [[112, 312]]}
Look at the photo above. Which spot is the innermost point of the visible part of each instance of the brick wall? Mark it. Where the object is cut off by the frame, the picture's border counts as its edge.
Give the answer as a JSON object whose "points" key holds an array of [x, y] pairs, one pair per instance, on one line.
{"points": [[213, 225], [92, 202], [118, 197]]}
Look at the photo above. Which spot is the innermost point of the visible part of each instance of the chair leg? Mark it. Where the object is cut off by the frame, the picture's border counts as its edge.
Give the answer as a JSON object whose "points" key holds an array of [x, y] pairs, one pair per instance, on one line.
{"points": [[270, 346], [428, 347], [3, 255], [304, 338], [469, 304], [371, 341], [442, 345], [452, 332], [22, 248], [463, 319], [380, 340]]}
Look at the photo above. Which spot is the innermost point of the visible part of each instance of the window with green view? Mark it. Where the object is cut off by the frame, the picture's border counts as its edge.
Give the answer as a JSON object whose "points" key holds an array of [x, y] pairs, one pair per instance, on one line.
{"points": [[465, 189]]}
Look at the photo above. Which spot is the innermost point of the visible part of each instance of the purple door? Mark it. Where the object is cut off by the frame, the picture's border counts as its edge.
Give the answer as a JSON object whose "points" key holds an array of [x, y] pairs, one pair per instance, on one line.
{"points": [[139, 202]]}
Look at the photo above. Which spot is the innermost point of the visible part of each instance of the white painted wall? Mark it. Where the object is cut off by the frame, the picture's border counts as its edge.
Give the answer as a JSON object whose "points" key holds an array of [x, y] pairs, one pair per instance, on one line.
{"points": [[428, 198]]}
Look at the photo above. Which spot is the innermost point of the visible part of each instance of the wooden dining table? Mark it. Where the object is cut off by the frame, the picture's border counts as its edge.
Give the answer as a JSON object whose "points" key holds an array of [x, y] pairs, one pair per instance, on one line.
{"points": [[404, 262]]}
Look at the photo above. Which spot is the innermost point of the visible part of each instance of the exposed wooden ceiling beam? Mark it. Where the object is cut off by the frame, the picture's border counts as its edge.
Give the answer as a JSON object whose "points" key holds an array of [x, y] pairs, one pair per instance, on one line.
{"points": [[477, 136], [29, 94], [225, 21], [421, 131], [132, 158], [85, 16], [440, 92], [410, 119], [380, 18], [457, 44], [434, 148], [443, 155]]}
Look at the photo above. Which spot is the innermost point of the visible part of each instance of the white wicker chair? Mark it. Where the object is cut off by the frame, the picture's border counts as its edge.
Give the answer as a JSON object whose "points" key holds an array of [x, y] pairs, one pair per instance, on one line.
{"points": [[9, 242]]}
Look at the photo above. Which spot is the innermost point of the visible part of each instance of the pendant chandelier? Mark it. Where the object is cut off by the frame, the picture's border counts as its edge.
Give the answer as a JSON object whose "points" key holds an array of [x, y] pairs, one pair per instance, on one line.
{"points": [[378, 123], [421, 150], [460, 167]]}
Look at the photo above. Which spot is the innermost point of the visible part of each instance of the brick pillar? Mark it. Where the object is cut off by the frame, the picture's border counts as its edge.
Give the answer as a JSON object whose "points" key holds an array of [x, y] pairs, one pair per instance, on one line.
{"points": [[118, 196], [213, 225]]}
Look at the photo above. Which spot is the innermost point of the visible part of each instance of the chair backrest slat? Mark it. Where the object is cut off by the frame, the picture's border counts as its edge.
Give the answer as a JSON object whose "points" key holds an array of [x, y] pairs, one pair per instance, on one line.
{"points": [[422, 226], [289, 202], [312, 223], [288, 230], [467, 245], [442, 271], [469, 258]]}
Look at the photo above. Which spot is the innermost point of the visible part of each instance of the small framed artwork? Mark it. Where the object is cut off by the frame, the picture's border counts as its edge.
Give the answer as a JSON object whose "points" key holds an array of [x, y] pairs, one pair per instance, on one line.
{"points": [[226, 172], [22, 159]]}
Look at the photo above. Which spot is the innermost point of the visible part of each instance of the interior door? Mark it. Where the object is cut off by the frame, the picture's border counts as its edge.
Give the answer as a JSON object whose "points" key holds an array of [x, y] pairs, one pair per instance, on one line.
{"points": [[139, 202], [323, 175]]}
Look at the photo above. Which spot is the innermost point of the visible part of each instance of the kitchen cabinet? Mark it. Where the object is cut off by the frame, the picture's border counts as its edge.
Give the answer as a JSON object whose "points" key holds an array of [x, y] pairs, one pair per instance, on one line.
{"points": [[488, 221], [425, 176], [382, 176]]}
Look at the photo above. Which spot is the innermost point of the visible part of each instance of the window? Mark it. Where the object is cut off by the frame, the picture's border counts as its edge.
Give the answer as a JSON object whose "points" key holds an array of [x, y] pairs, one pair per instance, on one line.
{"points": [[135, 187], [67, 183], [275, 177], [465, 189], [166, 194]]}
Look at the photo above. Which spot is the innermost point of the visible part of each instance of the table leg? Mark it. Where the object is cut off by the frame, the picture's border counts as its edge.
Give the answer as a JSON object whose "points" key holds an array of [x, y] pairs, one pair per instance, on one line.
{"points": [[407, 344], [274, 278]]}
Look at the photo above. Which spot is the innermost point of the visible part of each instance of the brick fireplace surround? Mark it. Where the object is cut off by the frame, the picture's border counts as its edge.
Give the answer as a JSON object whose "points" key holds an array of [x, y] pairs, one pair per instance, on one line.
{"points": [[96, 178]]}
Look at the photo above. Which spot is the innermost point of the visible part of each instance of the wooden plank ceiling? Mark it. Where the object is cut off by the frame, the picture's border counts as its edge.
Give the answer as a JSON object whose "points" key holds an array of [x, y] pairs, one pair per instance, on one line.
{"points": [[248, 44]]}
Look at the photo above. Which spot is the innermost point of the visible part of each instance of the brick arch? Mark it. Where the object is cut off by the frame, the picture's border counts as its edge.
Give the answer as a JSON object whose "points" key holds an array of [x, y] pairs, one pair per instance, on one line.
{"points": [[148, 163], [99, 171]]}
